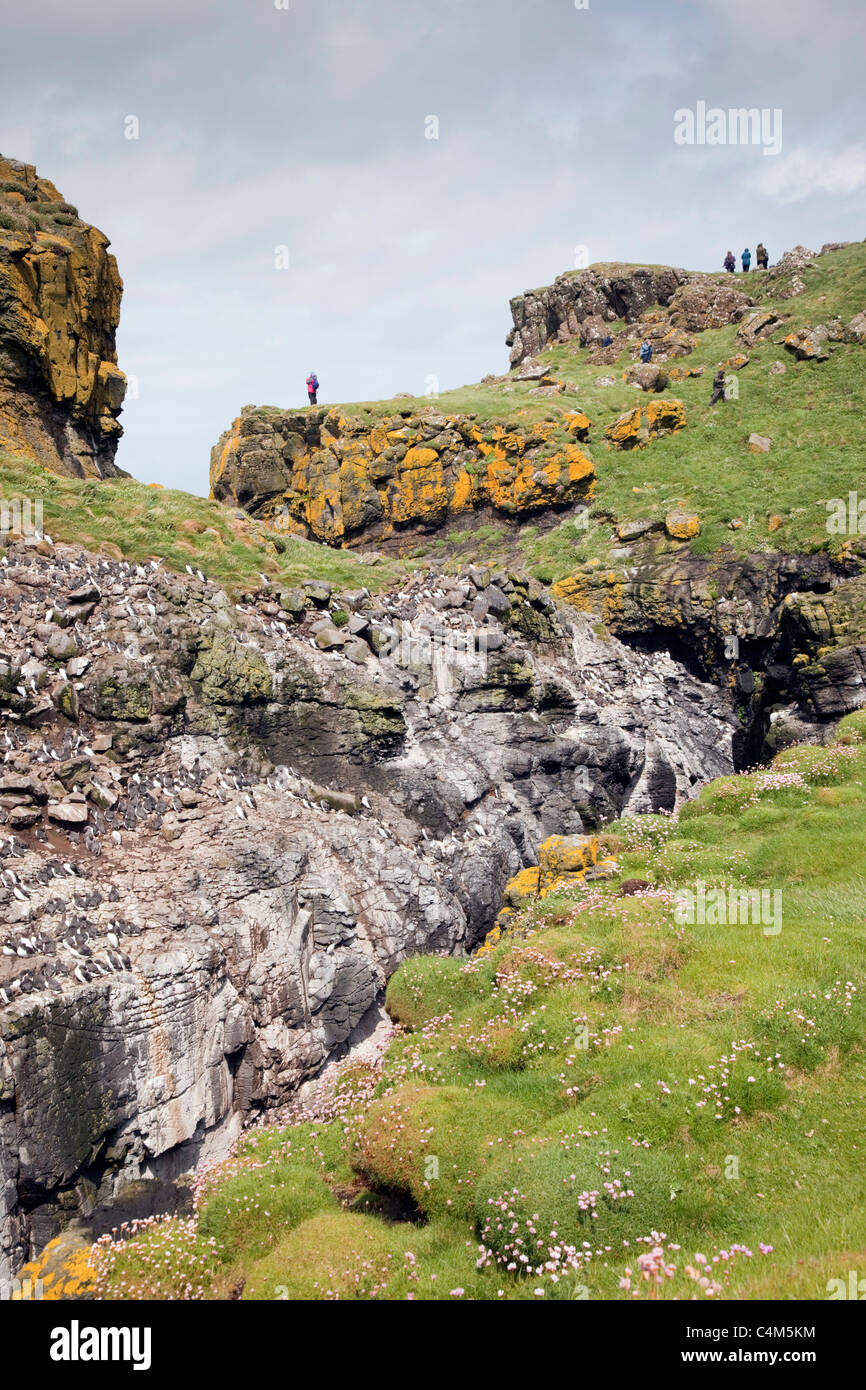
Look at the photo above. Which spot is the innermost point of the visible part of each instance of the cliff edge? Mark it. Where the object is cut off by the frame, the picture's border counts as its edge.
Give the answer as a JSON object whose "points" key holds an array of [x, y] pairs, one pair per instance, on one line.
{"points": [[61, 390]]}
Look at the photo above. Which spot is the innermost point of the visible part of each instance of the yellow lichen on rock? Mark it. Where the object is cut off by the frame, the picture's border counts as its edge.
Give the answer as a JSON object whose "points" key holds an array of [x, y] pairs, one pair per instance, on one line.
{"points": [[577, 423], [60, 387], [565, 855], [337, 479], [564, 862], [522, 887], [682, 526], [418, 492], [62, 1271], [665, 417], [625, 432], [573, 589]]}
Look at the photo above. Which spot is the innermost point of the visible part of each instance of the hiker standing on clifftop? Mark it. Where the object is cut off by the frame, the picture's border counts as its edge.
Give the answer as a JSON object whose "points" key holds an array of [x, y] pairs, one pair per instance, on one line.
{"points": [[730, 263], [747, 260], [761, 256], [313, 388], [718, 386]]}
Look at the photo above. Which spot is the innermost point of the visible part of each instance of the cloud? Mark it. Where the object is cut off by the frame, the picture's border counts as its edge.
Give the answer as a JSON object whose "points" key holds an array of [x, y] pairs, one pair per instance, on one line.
{"points": [[807, 172]]}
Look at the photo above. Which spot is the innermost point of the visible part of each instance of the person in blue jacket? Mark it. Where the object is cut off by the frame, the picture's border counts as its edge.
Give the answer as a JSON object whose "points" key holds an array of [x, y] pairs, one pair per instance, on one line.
{"points": [[747, 260], [646, 350], [313, 388]]}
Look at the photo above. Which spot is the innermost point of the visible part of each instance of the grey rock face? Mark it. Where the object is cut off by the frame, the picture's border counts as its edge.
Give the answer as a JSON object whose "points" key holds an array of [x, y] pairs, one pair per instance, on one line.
{"points": [[556, 312], [234, 837]]}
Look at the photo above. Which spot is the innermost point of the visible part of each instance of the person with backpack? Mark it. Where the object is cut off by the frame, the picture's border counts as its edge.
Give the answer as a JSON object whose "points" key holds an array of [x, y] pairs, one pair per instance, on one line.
{"points": [[747, 260], [718, 386], [646, 350], [313, 388], [729, 263], [761, 256]]}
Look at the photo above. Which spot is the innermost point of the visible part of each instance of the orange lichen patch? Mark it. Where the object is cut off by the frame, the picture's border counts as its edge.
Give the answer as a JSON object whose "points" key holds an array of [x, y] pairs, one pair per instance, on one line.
{"points": [[579, 465], [63, 1270], [666, 417], [683, 373], [159, 485], [462, 497], [775, 522], [565, 854], [230, 447], [682, 526], [625, 432], [564, 862], [522, 887], [577, 423], [573, 589], [378, 439], [418, 493], [523, 483]]}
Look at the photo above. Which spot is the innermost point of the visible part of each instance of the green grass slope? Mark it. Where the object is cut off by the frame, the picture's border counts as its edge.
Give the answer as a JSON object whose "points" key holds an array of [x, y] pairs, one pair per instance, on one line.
{"points": [[614, 1103], [135, 521]]}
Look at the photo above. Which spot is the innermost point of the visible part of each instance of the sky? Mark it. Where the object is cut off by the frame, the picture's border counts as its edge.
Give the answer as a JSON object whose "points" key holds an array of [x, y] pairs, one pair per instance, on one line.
{"points": [[359, 187]]}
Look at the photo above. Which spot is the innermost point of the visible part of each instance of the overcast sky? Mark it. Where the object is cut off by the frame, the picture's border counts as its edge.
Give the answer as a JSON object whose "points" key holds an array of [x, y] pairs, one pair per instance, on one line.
{"points": [[262, 126]]}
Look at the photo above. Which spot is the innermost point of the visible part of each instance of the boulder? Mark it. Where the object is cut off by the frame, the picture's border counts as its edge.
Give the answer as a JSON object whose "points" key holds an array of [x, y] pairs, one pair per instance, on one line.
{"points": [[628, 430], [810, 344], [759, 444], [857, 327], [757, 326], [647, 376], [682, 526], [69, 814]]}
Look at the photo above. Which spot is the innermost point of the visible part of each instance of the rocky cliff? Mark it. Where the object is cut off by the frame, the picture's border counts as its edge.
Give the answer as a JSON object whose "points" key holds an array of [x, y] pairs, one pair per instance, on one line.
{"points": [[320, 474], [785, 635], [61, 390], [223, 826]]}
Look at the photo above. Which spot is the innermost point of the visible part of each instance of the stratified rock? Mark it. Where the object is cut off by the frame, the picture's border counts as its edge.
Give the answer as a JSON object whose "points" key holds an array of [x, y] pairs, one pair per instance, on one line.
{"points": [[757, 326], [61, 390], [244, 836], [703, 303]]}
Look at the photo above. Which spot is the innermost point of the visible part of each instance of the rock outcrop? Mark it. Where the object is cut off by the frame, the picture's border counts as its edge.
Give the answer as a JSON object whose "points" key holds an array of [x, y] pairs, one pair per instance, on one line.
{"points": [[317, 473], [785, 634], [583, 304], [61, 390], [219, 835]]}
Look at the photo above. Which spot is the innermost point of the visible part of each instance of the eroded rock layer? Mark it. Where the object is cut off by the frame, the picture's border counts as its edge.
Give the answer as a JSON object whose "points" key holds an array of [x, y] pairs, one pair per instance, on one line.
{"points": [[222, 827], [61, 390]]}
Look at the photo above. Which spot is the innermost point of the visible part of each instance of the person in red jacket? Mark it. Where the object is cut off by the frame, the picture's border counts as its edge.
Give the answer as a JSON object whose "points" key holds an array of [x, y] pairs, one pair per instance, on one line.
{"points": [[313, 388]]}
